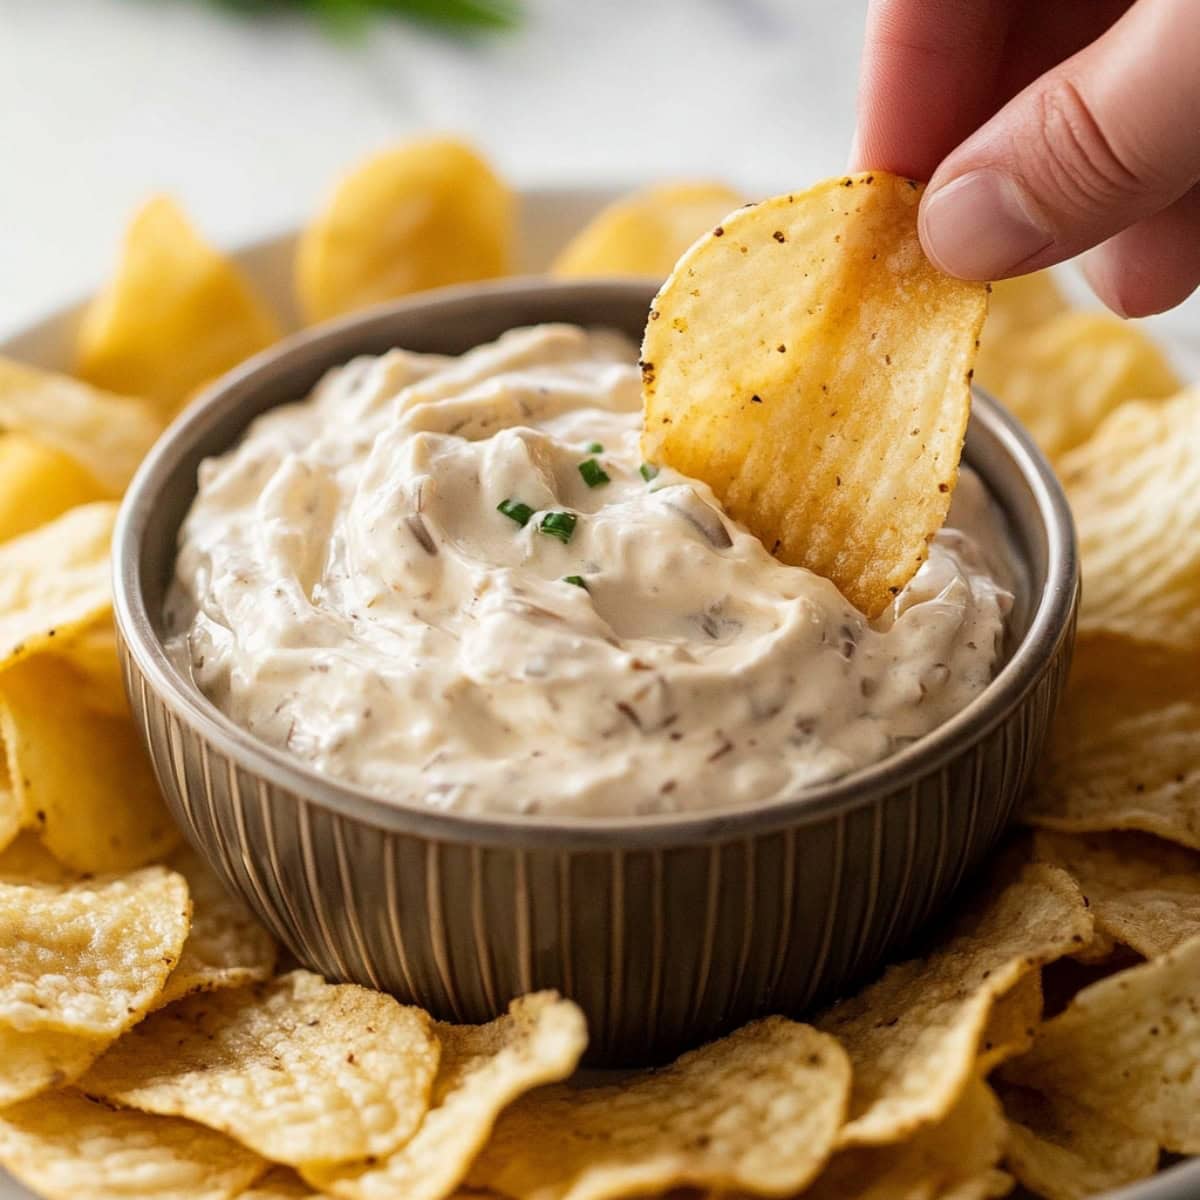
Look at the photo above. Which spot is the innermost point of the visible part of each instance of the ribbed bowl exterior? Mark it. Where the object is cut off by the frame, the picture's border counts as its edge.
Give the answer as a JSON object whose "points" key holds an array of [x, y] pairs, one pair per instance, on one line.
{"points": [[666, 933]]}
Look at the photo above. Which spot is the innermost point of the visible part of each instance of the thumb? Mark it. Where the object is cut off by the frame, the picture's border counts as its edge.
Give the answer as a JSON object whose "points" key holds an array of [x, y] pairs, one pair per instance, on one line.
{"points": [[1103, 140]]}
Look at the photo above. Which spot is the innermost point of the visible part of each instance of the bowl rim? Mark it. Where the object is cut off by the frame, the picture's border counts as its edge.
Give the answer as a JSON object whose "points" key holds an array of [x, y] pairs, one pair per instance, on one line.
{"points": [[1049, 624]]}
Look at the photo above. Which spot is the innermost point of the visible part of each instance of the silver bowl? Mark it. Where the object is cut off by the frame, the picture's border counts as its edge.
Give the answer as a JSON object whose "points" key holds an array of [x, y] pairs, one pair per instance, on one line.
{"points": [[668, 930]]}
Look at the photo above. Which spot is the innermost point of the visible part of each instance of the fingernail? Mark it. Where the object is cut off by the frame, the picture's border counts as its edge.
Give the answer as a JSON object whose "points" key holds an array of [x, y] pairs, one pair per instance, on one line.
{"points": [[981, 226]]}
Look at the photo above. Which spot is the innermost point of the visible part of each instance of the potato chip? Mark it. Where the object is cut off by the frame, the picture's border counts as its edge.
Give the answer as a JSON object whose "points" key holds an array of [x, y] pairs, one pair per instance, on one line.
{"points": [[808, 362], [82, 777], [1135, 492], [483, 1069], [1143, 892], [226, 947], [758, 1110], [66, 1147], [1128, 1047], [107, 435], [1125, 749], [37, 484], [280, 1183], [33, 1061], [1063, 1151], [176, 314], [428, 213], [92, 651], [298, 1069], [12, 811], [89, 957], [1018, 305], [26, 860], [645, 233], [1012, 1025], [914, 1035], [1065, 376]]}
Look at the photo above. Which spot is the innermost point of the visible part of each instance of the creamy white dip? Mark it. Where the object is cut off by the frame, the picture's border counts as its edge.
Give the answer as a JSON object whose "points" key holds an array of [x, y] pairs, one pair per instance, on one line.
{"points": [[348, 588]]}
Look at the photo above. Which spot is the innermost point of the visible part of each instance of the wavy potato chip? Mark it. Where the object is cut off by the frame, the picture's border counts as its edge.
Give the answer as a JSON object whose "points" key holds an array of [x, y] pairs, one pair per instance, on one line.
{"points": [[107, 435], [422, 215], [758, 1110], [299, 1070], [1135, 492], [1062, 1151], [913, 1037], [808, 363], [175, 315], [483, 1069], [1012, 1024], [645, 233], [67, 1147], [1128, 1047], [37, 484]]}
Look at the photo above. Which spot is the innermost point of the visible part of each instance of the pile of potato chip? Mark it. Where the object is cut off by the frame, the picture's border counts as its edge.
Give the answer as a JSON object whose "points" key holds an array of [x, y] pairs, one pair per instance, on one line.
{"points": [[150, 1045]]}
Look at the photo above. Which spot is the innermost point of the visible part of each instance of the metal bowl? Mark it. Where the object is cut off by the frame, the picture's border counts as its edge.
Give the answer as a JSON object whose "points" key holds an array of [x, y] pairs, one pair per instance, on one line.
{"points": [[668, 930]]}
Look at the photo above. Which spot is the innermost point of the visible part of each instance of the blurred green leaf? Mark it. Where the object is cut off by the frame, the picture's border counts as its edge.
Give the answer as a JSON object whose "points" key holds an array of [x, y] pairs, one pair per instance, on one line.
{"points": [[350, 16]]}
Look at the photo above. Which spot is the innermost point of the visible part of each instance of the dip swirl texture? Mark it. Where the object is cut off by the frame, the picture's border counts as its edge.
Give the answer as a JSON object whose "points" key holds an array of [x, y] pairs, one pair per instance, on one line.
{"points": [[348, 588]]}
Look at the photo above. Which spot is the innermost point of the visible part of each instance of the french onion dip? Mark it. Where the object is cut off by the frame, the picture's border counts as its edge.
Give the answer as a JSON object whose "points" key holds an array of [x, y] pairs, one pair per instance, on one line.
{"points": [[454, 581]]}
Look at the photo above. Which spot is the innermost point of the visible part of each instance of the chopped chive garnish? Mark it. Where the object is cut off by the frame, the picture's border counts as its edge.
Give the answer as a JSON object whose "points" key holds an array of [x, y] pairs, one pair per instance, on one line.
{"points": [[560, 525], [648, 471], [577, 580], [514, 510], [593, 473], [595, 447]]}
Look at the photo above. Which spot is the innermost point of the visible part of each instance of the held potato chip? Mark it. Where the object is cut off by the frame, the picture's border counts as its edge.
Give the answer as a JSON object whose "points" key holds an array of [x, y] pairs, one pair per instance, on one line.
{"points": [[808, 362], [176, 314], [1135, 492], [1128, 1047], [645, 233], [483, 1068], [105, 434], [37, 484], [758, 1110], [81, 776], [297, 1069], [1012, 1025], [913, 1037], [67, 1147], [421, 215]]}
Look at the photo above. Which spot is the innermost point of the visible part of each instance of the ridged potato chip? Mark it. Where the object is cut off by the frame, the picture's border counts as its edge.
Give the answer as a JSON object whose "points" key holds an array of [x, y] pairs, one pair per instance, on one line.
{"points": [[1128, 1048], [175, 315], [645, 233], [1062, 1151], [1135, 492], [1012, 1024], [37, 484], [299, 1070], [428, 213], [483, 1069], [758, 1110], [808, 363], [914, 1036], [81, 776], [66, 1147], [1124, 752], [105, 434]]}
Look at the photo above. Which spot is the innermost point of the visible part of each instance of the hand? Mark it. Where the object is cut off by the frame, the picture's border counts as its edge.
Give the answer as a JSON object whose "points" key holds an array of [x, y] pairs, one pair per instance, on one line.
{"points": [[1045, 128]]}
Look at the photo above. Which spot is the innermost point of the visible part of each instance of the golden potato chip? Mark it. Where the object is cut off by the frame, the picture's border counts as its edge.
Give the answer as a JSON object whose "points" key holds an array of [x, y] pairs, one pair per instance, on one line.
{"points": [[26, 860], [1125, 749], [226, 947], [483, 1069], [1128, 1047], [914, 1035], [176, 314], [81, 776], [12, 811], [758, 1110], [1018, 305], [33, 1061], [280, 1183], [645, 233], [955, 1159], [1065, 376], [1143, 892], [90, 956], [808, 362], [107, 435], [1062, 1151], [1012, 1025], [428, 213], [1135, 492], [297, 1069], [37, 484], [92, 651], [66, 1147]]}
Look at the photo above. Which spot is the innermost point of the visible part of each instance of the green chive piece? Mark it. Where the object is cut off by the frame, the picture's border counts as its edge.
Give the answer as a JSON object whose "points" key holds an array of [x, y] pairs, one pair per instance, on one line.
{"points": [[594, 475], [577, 580], [595, 447], [648, 471], [514, 510], [560, 525]]}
